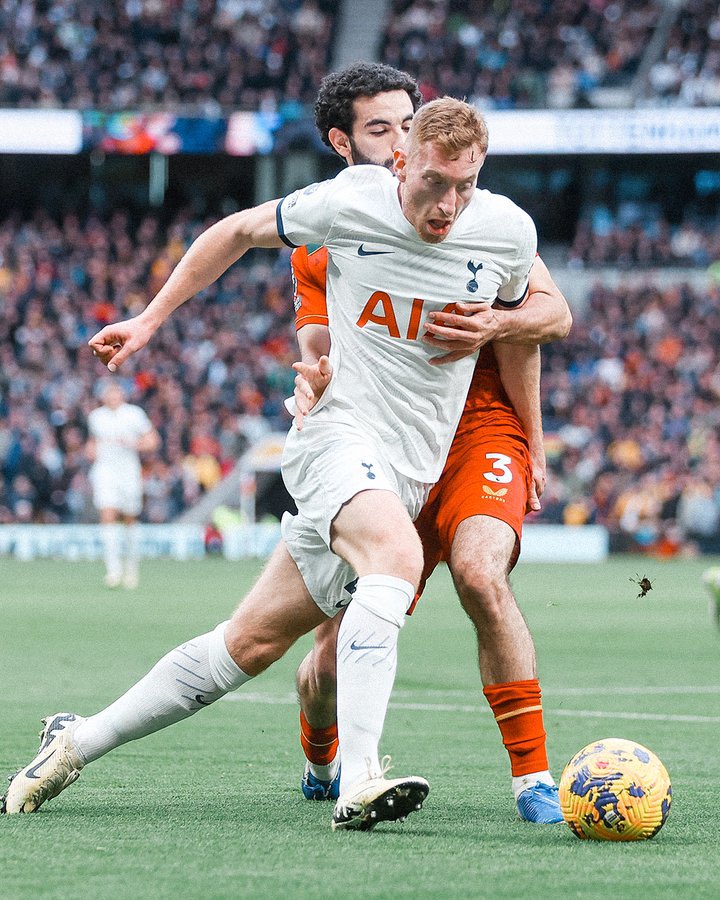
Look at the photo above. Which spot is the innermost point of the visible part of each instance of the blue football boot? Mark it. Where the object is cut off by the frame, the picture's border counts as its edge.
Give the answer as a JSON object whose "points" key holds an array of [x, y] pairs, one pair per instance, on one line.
{"points": [[540, 804], [316, 789]]}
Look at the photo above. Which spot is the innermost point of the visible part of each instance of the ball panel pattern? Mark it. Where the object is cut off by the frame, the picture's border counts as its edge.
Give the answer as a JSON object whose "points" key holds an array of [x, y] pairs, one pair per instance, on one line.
{"points": [[615, 790]]}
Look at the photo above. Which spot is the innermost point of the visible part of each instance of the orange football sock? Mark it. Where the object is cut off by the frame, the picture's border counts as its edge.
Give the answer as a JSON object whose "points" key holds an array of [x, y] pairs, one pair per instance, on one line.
{"points": [[517, 707], [320, 744]]}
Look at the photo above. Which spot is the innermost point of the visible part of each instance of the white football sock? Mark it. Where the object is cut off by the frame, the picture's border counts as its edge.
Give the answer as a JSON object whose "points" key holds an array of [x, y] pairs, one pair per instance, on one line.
{"points": [[187, 679], [325, 773], [366, 663], [111, 541], [132, 549], [521, 783]]}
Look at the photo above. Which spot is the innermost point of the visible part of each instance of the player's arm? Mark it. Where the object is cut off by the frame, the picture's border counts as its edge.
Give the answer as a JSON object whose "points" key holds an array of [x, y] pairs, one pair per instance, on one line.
{"points": [[211, 254], [542, 315], [90, 449], [309, 276], [314, 370], [545, 315], [519, 366], [314, 342], [148, 442]]}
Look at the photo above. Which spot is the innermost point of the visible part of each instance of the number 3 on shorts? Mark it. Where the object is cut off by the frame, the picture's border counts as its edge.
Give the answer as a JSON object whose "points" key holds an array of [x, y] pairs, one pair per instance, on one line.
{"points": [[501, 465]]}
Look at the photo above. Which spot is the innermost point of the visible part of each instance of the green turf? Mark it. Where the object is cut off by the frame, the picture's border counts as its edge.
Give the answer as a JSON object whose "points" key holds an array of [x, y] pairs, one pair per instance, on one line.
{"points": [[211, 807]]}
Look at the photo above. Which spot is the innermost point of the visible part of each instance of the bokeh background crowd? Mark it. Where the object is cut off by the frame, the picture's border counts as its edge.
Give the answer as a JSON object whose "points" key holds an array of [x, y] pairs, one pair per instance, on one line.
{"points": [[631, 399]]}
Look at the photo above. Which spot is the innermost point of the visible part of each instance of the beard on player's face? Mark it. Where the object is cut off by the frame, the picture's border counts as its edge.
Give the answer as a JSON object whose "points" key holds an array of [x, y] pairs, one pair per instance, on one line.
{"points": [[359, 158]]}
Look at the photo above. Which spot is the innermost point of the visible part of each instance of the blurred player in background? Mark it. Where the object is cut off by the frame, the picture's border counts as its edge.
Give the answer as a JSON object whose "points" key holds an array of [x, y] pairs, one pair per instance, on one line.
{"points": [[119, 433], [374, 444], [495, 471]]}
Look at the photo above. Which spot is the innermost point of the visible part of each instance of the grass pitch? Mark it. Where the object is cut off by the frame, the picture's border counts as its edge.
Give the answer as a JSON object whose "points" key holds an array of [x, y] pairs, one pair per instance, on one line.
{"points": [[211, 808]]}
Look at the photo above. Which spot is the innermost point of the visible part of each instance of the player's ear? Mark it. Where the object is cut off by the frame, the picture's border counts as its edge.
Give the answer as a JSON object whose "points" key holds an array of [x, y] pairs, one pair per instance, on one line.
{"points": [[400, 162], [341, 143]]}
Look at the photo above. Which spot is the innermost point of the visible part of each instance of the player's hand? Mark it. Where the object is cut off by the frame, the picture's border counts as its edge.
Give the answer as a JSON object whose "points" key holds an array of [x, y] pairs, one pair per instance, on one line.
{"points": [[310, 383], [539, 480], [115, 343], [460, 334]]}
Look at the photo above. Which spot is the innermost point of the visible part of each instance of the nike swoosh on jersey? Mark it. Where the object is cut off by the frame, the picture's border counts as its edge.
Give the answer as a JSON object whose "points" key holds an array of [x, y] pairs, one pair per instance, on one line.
{"points": [[363, 252]]}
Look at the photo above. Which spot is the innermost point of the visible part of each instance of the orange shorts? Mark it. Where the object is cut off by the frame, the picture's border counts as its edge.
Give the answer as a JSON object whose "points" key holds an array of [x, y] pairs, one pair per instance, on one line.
{"points": [[488, 473]]}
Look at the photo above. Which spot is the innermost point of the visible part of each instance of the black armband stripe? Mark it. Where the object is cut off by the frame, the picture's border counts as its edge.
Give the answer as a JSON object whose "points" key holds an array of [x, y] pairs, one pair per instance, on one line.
{"points": [[281, 227], [512, 304]]}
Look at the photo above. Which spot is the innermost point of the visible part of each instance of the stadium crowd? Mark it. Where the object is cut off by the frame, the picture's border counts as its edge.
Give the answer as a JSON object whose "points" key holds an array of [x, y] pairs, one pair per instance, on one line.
{"points": [[638, 235], [630, 399], [688, 73], [211, 384], [215, 55], [525, 54], [632, 418], [212, 54]]}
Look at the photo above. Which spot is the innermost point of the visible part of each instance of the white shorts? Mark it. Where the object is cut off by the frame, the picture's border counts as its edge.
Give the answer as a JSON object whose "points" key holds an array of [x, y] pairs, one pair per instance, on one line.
{"points": [[324, 466], [329, 579], [117, 490]]}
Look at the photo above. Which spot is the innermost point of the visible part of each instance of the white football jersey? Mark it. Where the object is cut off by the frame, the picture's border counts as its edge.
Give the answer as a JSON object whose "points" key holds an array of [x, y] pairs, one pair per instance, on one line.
{"points": [[112, 430], [382, 281]]}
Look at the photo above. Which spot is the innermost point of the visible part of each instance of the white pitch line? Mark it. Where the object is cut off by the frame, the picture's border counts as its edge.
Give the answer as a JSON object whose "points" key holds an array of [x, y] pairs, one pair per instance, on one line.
{"points": [[291, 700], [570, 713], [649, 689], [648, 717], [581, 691]]}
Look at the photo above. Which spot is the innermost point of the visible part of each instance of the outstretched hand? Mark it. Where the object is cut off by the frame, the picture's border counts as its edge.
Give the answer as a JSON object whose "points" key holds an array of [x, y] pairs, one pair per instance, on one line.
{"points": [[538, 482], [461, 333], [115, 343], [310, 383]]}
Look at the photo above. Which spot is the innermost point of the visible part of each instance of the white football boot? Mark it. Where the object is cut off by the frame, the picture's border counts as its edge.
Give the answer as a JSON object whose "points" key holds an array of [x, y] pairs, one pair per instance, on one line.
{"points": [[378, 799], [56, 765]]}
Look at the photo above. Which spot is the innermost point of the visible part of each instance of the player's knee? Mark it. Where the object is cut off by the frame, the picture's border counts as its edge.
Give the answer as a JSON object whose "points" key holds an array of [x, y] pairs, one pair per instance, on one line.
{"points": [[401, 543], [323, 660], [384, 549], [485, 596], [323, 675], [316, 677], [405, 558]]}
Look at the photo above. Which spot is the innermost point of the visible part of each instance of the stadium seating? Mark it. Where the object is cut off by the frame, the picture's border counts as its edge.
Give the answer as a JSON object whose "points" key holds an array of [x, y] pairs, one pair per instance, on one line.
{"points": [[688, 72], [631, 416], [642, 238], [535, 54], [244, 54], [210, 383], [211, 55], [630, 398]]}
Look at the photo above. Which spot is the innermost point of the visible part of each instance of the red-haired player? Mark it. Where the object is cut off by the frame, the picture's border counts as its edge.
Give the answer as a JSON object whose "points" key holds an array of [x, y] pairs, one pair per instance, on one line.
{"points": [[494, 474]]}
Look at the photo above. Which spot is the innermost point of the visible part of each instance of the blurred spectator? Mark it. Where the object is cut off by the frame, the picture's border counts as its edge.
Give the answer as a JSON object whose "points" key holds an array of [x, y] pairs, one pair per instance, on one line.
{"points": [[213, 55]]}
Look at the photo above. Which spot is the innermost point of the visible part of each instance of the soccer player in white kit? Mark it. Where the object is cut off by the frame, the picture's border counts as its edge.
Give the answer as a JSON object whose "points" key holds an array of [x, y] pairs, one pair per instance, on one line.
{"points": [[364, 461], [118, 433]]}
